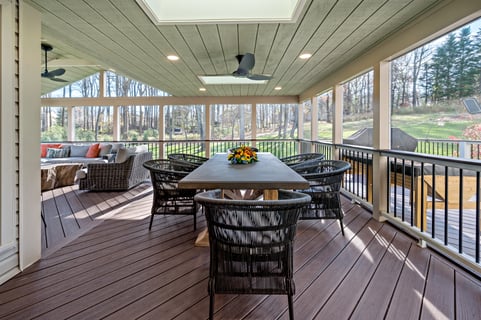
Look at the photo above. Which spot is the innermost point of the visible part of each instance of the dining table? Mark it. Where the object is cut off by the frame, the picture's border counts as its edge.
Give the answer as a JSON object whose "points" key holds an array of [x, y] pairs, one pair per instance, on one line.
{"points": [[257, 180]]}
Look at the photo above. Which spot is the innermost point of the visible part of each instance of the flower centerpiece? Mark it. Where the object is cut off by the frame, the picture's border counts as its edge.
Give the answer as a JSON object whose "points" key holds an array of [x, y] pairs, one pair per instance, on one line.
{"points": [[242, 155]]}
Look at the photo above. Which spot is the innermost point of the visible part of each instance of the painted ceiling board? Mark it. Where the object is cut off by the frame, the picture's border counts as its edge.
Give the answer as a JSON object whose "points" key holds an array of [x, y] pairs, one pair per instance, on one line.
{"points": [[118, 35]]}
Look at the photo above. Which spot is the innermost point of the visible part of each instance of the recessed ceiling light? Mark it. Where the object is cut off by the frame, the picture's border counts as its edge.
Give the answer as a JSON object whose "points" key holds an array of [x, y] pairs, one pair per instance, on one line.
{"points": [[305, 56], [172, 57], [278, 88], [202, 89]]}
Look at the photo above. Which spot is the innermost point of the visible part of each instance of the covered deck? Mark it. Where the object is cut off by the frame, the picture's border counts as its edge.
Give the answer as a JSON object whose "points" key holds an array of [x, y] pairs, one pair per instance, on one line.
{"points": [[109, 265]]}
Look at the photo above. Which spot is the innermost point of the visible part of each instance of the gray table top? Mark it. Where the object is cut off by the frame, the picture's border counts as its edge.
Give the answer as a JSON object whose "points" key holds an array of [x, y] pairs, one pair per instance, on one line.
{"points": [[268, 173]]}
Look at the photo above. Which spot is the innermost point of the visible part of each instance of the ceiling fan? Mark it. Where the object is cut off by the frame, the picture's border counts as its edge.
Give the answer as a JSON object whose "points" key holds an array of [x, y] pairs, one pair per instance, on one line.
{"points": [[246, 63], [52, 75]]}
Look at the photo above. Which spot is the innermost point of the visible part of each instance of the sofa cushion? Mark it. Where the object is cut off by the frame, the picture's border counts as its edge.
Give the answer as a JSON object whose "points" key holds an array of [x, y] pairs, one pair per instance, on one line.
{"points": [[78, 150], [66, 147], [93, 151], [105, 149], [65, 174], [57, 153], [45, 146], [122, 155], [116, 147]]}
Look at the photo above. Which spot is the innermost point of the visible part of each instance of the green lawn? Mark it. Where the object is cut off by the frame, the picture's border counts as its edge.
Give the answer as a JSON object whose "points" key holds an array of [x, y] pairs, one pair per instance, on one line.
{"points": [[427, 126]]}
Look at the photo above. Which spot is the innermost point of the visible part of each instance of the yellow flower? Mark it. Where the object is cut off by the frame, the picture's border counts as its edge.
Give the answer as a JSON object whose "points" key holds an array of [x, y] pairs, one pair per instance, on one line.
{"points": [[242, 154]]}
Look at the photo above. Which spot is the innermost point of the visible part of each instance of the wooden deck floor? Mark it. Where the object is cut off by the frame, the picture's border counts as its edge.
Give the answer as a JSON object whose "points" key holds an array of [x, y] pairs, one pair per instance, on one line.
{"points": [[118, 269]]}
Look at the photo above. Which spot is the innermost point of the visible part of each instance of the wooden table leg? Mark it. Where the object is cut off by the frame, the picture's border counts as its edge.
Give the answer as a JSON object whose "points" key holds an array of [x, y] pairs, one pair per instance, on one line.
{"points": [[202, 239], [271, 194]]}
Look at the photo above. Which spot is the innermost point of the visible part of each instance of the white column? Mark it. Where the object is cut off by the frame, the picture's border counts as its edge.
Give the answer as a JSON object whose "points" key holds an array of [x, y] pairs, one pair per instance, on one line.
{"points": [[337, 116], [207, 129], [29, 224], [254, 122], [70, 124], [161, 131], [300, 124], [116, 124], [314, 121], [381, 135]]}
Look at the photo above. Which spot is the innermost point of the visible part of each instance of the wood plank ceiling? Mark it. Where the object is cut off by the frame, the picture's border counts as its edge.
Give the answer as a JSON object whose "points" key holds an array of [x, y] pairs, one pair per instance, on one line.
{"points": [[117, 35]]}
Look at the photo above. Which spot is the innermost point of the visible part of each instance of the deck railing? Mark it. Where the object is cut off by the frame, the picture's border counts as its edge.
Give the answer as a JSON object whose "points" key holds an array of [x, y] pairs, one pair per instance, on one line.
{"points": [[435, 198], [468, 149]]}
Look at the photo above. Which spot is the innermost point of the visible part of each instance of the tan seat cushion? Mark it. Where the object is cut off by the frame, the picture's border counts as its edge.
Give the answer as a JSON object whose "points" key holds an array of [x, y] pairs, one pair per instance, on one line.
{"points": [[65, 174]]}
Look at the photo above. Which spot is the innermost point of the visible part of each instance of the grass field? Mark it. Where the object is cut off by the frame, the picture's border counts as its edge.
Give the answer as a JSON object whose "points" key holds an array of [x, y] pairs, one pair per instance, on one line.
{"points": [[422, 126]]}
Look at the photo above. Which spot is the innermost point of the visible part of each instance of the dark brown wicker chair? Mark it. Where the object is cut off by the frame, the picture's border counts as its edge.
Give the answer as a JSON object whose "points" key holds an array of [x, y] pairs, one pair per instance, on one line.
{"points": [[186, 161], [325, 179], [251, 244], [302, 159], [168, 198], [116, 176]]}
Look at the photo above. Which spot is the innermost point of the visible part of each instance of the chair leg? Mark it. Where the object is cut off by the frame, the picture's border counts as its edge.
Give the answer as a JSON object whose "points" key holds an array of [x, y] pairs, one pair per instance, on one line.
{"points": [[211, 307], [44, 227], [151, 220], [195, 216], [291, 307], [342, 226]]}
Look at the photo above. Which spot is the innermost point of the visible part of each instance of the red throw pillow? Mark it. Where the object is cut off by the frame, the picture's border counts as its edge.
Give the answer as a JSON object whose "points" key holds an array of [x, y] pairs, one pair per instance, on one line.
{"points": [[45, 146], [94, 151]]}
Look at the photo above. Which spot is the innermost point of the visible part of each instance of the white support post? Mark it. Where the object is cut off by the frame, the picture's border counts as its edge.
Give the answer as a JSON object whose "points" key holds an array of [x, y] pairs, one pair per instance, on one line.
{"points": [[116, 124], [254, 122], [314, 121], [337, 117], [381, 136], [161, 130], [300, 125], [70, 124], [207, 129]]}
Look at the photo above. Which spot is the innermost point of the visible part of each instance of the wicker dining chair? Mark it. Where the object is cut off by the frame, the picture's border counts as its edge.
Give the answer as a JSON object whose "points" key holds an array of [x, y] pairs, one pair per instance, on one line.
{"points": [[325, 180], [168, 199], [251, 244], [302, 159], [186, 161]]}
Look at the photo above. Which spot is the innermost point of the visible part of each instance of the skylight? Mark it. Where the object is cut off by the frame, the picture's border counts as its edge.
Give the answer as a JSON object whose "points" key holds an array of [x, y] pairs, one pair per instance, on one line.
{"points": [[221, 11], [229, 80]]}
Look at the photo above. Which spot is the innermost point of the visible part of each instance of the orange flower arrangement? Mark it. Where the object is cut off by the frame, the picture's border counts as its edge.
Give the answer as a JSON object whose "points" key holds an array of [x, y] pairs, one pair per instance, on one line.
{"points": [[242, 155]]}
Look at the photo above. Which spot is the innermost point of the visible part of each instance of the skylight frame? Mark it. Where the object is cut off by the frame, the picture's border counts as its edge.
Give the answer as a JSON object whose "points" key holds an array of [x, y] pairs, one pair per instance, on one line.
{"points": [[168, 12]]}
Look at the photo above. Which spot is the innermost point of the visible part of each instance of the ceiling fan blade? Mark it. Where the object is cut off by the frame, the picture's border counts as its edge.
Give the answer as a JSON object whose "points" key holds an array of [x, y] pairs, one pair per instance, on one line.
{"points": [[258, 77], [56, 72], [57, 79], [247, 62]]}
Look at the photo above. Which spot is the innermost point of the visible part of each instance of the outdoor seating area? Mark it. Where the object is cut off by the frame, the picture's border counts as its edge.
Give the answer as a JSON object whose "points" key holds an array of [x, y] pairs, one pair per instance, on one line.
{"points": [[164, 276], [121, 175]]}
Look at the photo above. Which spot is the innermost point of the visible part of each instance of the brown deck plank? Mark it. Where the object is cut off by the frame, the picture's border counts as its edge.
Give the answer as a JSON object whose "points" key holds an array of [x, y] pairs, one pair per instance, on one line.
{"points": [[375, 299], [439, 292], [67, 218], [357, 277], [324, 285], [412, 280], [468, 302]]}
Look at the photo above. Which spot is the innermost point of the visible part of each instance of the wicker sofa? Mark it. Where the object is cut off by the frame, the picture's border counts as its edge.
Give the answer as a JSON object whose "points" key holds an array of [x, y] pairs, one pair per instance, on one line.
{"points": [[76, 153], [116, 176]]}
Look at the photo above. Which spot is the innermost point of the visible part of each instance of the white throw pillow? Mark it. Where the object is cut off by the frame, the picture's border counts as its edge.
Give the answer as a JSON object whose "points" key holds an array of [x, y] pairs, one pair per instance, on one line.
{"points": [[122, 155]]}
